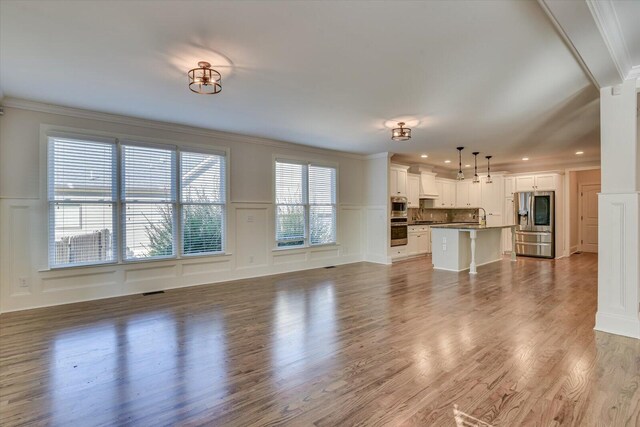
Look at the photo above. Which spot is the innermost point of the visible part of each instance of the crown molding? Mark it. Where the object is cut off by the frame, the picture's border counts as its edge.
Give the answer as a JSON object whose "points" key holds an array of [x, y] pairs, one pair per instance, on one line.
{"points": [[42, 107], [606, 19]]}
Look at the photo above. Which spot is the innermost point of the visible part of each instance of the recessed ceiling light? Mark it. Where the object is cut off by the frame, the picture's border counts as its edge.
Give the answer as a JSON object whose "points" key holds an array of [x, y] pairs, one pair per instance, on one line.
{"points": [[467, 166], [424, 156], [579, 152], [447, 161], [525, 158]]}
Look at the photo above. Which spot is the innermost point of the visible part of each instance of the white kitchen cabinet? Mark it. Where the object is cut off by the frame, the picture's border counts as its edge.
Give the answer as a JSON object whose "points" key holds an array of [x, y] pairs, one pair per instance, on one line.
{"points": [[419, 240], [446, 193], [413, 191], [468, 194], [509, 187], [543, 182], [428, 187], [492, 196], [398, 181]]}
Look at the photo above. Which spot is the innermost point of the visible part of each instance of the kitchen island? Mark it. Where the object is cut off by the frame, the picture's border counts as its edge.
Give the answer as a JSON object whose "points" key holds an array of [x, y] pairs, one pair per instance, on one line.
{"points": [[459, 247]]}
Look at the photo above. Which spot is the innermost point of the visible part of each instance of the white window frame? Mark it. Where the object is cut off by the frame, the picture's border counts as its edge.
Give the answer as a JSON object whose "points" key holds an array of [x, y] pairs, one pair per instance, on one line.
{"points": [[305, 190], [118, 238], [224, 202]]}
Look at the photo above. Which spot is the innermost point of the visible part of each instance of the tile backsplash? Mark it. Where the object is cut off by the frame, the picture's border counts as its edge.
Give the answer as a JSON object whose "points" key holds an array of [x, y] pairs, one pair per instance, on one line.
{"points": [[443, 215]]}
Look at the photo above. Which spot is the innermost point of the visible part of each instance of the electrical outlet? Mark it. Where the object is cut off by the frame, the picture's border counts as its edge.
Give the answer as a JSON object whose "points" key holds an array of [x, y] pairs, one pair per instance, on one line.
{"points": [[444, 247], [23, 282]]}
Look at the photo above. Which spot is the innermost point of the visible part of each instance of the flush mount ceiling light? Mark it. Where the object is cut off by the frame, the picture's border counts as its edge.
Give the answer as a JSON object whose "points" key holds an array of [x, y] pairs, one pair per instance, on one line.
{"points": [[525, 159], [447, 161], [401, 133], [489, 180], [476, 178], [460, 176], [204, 79], [579, 153], [424, 156]]}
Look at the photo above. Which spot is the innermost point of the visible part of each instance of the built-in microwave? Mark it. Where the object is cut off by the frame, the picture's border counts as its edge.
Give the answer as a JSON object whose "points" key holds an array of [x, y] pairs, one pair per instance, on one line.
{"points": [[398, 207]]}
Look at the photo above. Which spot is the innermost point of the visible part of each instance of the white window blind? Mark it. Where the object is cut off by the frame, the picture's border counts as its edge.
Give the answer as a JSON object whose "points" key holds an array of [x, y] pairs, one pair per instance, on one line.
{"points": [[203, 197], [291, 198], [322, 205], [81, 192], [148, 201], [305, 204]]}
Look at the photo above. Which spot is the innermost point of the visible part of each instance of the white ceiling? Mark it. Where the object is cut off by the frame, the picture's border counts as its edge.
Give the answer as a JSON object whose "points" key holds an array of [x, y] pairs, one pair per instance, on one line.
{"points": [[493, 76], [628, 14]]}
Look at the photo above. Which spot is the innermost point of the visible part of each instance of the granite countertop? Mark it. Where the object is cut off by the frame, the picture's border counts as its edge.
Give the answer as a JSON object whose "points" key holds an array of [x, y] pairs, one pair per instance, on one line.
{"points": [[436, 223], [468, 226]]}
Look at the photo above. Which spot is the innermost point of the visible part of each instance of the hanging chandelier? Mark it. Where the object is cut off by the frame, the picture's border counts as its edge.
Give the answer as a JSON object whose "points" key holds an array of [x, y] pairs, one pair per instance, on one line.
{"points": [[401, 133], [489, 180], [204, 79], [460, 176], [476, 178]]}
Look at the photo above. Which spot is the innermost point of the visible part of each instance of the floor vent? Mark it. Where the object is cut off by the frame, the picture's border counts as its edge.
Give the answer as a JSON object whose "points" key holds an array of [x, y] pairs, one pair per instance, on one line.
{"points": [[145, 294], [331, 266]]}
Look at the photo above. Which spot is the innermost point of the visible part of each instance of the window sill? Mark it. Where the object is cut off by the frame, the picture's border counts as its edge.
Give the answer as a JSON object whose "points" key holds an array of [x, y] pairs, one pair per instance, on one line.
{"points": [[135, 262], [305, 247]]}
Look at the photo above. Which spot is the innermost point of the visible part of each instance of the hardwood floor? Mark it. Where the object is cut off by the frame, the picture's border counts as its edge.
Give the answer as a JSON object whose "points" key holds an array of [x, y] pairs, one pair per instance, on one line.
{"points": [[361, 344]]}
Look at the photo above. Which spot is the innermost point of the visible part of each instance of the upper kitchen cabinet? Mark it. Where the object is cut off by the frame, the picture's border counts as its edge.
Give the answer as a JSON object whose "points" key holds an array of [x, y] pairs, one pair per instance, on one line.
{"points": [[446, 193], [493, 195], [509, 186], [543, 182], [398, 180], [468, 194], [413, 191], [428, 187]]}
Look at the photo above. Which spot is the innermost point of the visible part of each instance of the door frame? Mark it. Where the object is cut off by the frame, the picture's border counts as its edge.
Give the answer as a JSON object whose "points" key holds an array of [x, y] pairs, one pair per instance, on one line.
{"points": [[566, 186], [580, 216]]}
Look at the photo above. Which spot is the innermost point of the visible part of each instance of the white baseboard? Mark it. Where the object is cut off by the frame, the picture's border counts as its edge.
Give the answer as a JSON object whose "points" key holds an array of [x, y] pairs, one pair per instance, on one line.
{"points": [[618, 325]]}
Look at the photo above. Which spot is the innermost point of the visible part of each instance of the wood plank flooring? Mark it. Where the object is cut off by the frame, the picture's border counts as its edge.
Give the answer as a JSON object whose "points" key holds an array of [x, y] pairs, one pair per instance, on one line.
{"points": [[361, 344]]}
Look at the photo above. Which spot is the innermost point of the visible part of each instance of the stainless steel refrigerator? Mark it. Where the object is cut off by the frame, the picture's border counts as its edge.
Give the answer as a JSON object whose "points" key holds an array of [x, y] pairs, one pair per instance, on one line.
{"points": [[535, 216]]}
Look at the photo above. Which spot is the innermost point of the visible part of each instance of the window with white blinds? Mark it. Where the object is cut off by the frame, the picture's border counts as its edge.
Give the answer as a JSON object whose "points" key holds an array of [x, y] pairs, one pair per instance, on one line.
{"points": [[148, 179], [305, 204], [85, 199], [81, 178], [322, 205], [203, 196]]}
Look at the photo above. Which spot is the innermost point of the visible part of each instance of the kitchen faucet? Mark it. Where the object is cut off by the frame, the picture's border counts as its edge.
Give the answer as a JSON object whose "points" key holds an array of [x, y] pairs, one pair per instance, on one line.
{"points": [[483, 217]]}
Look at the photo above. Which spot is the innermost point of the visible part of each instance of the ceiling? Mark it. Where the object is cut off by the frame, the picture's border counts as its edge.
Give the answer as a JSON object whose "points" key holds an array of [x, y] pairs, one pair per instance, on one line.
{"points": [[628, 14], [493, 76]]}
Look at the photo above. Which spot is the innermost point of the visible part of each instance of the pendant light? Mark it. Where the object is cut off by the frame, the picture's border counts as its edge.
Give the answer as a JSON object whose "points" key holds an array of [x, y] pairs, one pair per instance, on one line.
{"points": [[489, 180], [204, 79], [476, 178], [460, 176], [401, 133]]}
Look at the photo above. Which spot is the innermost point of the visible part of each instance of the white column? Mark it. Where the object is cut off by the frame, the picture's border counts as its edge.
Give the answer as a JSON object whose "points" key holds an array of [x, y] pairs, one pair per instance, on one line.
{"points": [[472, 267], [619, 213]]}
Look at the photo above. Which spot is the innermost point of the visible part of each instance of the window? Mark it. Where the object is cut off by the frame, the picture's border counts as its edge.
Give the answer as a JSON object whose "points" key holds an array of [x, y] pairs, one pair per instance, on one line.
{"points": [[305, 204], [81, 194], [148, 198], [84, 198], [203, 196]]}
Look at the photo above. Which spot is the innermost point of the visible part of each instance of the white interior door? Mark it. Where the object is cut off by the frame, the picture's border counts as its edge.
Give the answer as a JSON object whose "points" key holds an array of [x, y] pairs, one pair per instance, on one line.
{"points": [[589, 217]]}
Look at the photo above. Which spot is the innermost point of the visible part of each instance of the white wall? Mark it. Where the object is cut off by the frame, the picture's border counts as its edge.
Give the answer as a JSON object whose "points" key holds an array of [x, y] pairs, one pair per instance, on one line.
{"points": [[250, 229]]}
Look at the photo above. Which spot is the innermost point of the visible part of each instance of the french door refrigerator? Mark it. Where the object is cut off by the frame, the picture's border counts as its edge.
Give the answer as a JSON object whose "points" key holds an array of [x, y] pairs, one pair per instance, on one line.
{"points": [[535, 216]]}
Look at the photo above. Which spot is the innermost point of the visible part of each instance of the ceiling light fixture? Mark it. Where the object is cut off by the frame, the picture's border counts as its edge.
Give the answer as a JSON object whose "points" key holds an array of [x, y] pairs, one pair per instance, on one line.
{"points": [[447, 161], [204, 79], [579, 152], [460, 176], [489, 180], [525, 158], [476, 178], [424, 156], [401, 133]]}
